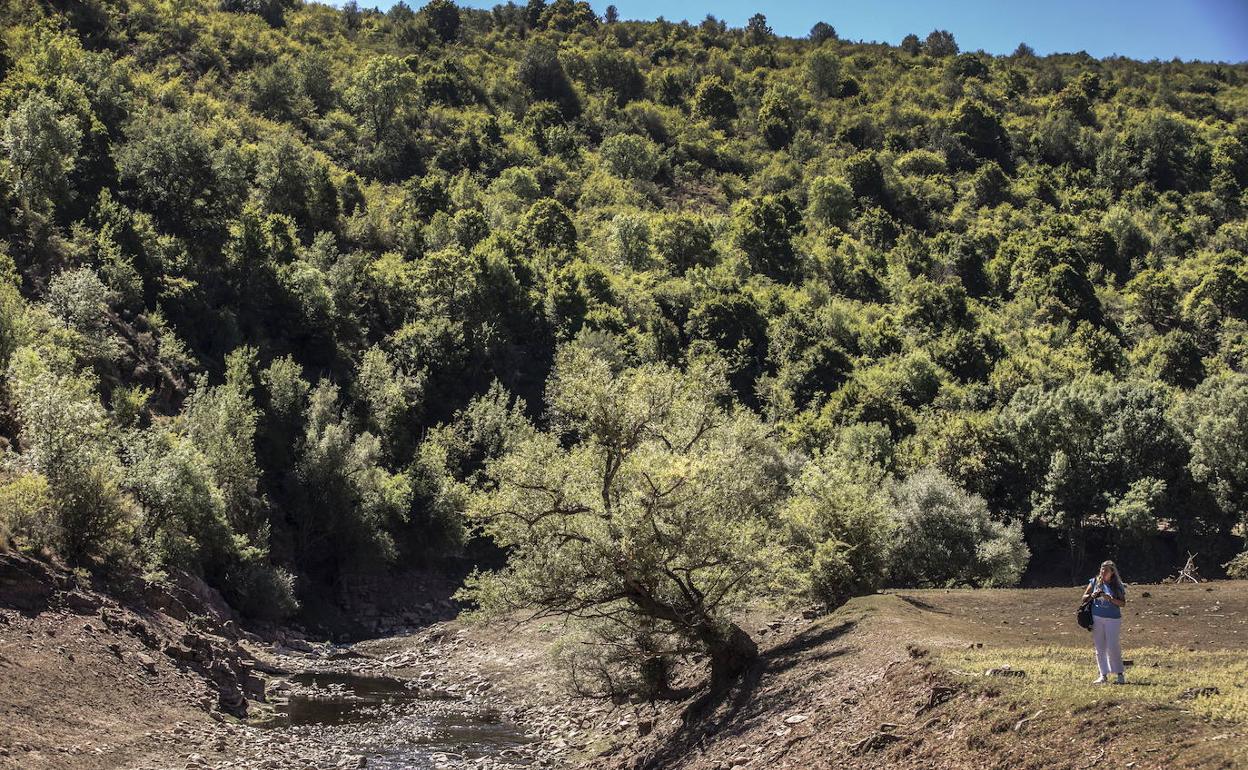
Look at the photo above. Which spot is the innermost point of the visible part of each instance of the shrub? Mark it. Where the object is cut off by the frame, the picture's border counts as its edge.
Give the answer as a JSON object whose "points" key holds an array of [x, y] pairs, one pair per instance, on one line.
{"points": [[1237, 568], [945, 536], [831, 200], [838, 522], [26, 511], [630, 156]]}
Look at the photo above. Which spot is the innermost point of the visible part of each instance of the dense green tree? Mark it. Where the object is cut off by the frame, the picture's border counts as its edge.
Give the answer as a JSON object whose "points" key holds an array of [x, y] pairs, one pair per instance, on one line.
{"points": [[378, 92], [822, 31], [542, 73], [714, 103], [777, 117], [41, 144], [757, 31], [944, 537], [764, 231], [443, 18], [684, 241], [940, 43]]}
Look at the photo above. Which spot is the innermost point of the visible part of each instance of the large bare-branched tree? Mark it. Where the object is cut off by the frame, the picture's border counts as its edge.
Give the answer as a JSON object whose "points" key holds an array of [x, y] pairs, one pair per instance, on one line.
{"points": [[648, 508]]}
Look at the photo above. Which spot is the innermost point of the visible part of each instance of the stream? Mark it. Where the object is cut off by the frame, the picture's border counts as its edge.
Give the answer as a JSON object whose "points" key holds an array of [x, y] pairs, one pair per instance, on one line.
{"points": [[396, 724]]}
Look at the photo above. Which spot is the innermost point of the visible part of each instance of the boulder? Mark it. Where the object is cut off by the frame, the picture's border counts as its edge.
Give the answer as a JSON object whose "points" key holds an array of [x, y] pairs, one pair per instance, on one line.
{"points": [[25, 584]]}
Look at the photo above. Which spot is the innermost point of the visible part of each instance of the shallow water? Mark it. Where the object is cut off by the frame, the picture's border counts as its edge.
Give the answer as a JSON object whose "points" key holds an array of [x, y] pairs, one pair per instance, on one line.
{"points": [[395, 723]]}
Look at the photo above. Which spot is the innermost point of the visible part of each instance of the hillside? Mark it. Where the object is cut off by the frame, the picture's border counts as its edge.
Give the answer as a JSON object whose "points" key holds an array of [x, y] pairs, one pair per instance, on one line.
{"points": [[350, 323]]}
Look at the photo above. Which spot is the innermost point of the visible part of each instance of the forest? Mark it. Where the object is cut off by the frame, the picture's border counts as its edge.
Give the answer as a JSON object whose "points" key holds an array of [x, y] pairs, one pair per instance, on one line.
{"points": [[660, 316]]}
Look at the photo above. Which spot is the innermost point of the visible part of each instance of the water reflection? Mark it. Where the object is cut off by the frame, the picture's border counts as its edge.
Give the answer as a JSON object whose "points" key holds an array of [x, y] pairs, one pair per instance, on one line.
{"points": [[396, 723]]}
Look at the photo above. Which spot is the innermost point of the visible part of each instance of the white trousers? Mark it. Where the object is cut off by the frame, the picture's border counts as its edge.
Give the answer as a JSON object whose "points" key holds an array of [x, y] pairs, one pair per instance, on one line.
{"points": [[1106, 638]]}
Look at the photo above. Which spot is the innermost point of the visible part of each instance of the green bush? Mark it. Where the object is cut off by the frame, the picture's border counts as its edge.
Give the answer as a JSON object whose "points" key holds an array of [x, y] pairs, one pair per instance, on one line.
{"points": [[944, 536]]}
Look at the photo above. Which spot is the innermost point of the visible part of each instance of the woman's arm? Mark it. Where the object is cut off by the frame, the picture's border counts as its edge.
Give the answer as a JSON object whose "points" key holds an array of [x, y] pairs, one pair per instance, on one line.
{"points": [[1109, 592]]}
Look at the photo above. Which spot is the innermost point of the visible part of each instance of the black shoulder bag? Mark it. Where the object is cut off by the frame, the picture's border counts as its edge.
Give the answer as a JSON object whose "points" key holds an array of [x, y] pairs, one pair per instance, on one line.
{"points": [[1084, 615]]}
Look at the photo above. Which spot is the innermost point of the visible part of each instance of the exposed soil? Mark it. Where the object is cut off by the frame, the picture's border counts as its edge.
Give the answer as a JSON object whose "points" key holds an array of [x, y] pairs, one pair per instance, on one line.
{"points": [[88, 683]]}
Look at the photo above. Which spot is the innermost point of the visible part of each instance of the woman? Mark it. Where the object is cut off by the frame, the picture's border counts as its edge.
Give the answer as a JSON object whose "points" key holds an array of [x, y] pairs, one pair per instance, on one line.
{"points": [[1108, 596]]}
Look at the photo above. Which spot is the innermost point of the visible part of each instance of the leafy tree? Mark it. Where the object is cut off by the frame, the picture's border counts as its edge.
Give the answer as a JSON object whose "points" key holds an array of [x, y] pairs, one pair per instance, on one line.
{"points": [[653, 512], [631, 157], [272, 11], [757, 31], [940, 43], [1213, 417], [714, 103], [42, 145], [980, 130], [838, 517], [824, 74], [350, 504], [831, 200], [65, 433], [443, 17], [777, 117], [822, 32], [174, 172], [548, 226], [378, 92], [764, 231], [684, 241], [911, 44], [543, 75], [944, 536]]}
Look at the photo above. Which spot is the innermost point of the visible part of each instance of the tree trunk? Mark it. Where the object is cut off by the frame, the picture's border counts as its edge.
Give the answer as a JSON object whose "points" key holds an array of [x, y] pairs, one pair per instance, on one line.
{"points": [[732, 651]]}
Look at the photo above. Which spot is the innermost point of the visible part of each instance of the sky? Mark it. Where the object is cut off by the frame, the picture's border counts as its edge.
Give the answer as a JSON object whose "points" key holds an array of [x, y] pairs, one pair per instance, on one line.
{"points": [[1210, 30]]}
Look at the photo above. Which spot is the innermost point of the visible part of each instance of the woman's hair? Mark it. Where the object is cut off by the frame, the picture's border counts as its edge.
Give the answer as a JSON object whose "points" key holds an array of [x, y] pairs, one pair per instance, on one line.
{"points": [[1114, 568]]}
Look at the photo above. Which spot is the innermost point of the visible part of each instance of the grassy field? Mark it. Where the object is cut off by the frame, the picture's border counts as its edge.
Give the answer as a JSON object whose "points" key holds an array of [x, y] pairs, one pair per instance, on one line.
{"points": [[1212, 684]]}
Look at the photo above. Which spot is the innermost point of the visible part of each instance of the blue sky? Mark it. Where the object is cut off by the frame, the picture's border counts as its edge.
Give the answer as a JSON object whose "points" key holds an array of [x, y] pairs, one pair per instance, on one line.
{"points": [[1215, 30]]}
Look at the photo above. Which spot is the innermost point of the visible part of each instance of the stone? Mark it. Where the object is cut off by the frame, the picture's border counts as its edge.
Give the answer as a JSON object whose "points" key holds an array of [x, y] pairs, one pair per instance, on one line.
{"points": [[81, 602], [796, 719], [146, 662]]}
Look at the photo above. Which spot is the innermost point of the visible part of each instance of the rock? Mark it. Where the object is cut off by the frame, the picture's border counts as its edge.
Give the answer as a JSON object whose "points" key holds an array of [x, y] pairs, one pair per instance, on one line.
{"points": [[644, 727], [25, 583], [796, 719], [146, 662], [230, 699], [178, 652], [81, 602], [201, 597], [810, 613], [298, 645]]}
